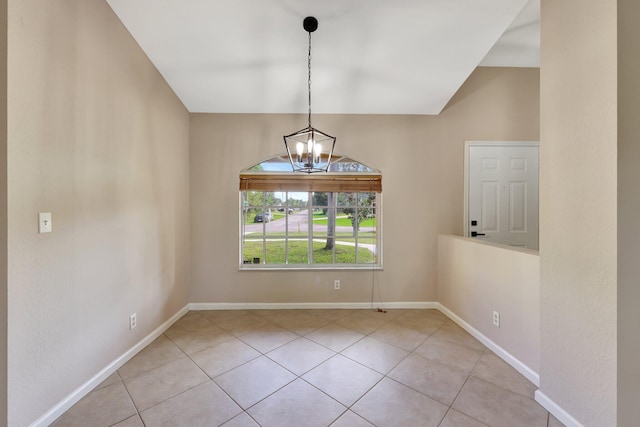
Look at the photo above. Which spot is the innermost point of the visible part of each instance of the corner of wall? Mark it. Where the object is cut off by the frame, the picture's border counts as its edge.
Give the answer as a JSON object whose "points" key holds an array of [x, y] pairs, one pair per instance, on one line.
{"points": [[3, 212]]}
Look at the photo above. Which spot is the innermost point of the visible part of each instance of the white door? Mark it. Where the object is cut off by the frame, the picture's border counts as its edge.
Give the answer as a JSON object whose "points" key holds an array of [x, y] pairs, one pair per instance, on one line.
{"points": [[502, 193]]}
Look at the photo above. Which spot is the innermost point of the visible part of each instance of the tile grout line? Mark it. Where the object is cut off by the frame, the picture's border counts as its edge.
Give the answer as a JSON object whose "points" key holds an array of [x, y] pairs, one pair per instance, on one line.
{"points": [[465, 383], [182, 392], [384, 376], [242, 410], [358, 322], [263, 354], [130, 398], [333, 356], [299, 377]]}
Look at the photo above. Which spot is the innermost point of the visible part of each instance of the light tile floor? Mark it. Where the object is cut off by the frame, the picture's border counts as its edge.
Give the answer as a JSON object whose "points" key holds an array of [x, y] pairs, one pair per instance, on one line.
{"points": [[297, 368]]}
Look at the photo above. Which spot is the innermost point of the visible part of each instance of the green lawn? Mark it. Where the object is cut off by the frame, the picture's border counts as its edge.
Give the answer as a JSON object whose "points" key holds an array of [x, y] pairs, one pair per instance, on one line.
{"points": [[298, 253], [342, 221], [318, 218], [368, 237]]}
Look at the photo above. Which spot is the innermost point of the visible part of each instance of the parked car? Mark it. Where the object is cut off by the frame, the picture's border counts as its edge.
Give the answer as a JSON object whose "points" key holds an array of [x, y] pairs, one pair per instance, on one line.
{"points": [[263, 217]]}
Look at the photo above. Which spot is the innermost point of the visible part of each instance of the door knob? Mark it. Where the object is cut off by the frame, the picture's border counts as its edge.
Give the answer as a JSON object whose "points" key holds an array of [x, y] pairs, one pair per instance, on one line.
{"points": [[475, 234]]}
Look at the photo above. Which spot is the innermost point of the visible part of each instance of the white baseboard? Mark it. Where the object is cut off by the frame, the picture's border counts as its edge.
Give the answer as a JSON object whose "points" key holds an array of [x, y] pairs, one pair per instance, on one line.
{"points": [[66, 403], [563, 416], [84, 389], [310, 305], [526, 371]]}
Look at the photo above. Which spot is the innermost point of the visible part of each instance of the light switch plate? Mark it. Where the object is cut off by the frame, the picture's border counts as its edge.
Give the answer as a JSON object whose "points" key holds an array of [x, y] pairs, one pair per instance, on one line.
{"points": [[44, 222]]}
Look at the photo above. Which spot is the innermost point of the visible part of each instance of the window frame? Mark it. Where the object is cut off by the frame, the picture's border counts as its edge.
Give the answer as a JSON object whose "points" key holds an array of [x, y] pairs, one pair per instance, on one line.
{"points": [[363, 180], [309, 232]]}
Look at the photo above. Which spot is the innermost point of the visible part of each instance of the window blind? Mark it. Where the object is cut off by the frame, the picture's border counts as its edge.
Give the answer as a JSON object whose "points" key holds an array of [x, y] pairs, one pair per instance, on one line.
{"points": [[349, 183]]}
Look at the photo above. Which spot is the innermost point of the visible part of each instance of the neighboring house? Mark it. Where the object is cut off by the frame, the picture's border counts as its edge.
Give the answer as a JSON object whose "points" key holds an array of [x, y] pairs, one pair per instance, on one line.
{"points": [[144, 199]]}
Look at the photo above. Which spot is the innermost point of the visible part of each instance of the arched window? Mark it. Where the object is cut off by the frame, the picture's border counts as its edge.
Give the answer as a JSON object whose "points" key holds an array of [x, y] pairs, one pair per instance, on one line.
{"points": [[328, 220]]}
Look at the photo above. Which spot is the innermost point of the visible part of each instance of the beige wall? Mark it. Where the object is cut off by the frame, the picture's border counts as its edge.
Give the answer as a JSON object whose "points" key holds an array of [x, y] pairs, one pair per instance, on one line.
{"points": [[628, 212], [421, 158], [476, 278], [578, 158], [96, 137], [3, 212]]}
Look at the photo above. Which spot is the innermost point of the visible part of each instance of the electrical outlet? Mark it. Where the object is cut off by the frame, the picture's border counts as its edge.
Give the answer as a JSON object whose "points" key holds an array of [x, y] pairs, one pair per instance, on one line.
{"points": [[133, 321], [496, 319], [336, 284]]}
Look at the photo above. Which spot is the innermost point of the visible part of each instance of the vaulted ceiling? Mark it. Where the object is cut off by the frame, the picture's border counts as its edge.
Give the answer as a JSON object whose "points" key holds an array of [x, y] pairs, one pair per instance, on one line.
{"points": [[368, 56]]}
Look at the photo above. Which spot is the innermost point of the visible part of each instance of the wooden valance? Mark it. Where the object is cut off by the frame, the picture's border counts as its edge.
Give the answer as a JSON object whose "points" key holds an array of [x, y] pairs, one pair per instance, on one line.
{"points": [[343, 183]]}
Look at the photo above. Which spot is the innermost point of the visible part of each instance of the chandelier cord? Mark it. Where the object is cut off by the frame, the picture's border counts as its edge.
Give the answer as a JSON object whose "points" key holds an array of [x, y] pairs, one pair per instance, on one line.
{"points": [[309, 80], [309, 149]]}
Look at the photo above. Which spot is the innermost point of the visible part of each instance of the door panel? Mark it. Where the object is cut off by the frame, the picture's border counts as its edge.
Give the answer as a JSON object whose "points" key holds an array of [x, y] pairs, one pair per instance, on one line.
{"points": [[503, 193], [490, 205], [518, 206]]}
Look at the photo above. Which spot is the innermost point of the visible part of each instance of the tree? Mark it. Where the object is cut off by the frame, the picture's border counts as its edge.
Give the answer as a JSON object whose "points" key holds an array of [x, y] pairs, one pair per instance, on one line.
{"points": [[359, 208], [256, 201], [331, 221], [321, 199]]}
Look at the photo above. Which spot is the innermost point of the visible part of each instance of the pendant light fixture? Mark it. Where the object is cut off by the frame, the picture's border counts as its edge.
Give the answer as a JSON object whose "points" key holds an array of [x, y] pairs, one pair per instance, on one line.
{"points": [[309, 149]]}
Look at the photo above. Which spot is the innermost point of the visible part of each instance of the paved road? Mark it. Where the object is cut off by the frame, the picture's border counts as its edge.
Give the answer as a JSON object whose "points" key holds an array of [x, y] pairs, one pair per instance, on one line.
{"points": [[298, 221]]}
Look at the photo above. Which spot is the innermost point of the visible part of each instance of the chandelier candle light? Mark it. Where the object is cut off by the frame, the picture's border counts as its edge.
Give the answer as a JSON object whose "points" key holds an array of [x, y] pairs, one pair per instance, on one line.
{"points": [[304, 147]]}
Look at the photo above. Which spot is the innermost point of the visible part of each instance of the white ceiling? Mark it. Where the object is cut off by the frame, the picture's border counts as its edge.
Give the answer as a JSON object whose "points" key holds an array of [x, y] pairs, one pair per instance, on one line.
{"points": [[368, 56]]}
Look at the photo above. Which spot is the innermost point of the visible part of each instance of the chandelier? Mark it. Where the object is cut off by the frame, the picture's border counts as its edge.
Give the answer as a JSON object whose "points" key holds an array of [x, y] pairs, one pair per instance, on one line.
{"points": [[309, 149]]}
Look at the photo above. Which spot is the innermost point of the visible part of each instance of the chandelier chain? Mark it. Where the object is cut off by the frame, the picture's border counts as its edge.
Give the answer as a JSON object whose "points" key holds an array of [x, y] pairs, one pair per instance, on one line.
{"points": [[309, 149], [309, 80]]}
